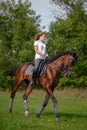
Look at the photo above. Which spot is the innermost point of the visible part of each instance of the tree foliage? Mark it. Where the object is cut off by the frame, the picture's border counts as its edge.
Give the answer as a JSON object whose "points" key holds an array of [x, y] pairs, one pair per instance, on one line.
{"points": [[70, 5], [71, 35], [18, 26]]}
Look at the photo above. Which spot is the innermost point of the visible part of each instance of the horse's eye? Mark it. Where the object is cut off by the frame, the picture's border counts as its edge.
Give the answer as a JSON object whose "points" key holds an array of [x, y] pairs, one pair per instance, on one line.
{"points": [[72, 61]]}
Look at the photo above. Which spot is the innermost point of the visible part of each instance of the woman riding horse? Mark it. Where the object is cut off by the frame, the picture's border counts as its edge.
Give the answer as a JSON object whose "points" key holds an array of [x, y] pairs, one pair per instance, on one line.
{"points": [[64, 61], [41, 53]]}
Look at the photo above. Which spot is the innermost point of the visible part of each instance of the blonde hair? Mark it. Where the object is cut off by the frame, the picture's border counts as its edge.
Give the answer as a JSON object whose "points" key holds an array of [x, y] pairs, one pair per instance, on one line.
{"points": [[37, 37]]}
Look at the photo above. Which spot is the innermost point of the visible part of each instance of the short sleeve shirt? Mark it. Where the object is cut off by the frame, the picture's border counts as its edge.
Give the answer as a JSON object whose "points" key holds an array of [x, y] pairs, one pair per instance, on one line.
{"points": [[41, 47]]}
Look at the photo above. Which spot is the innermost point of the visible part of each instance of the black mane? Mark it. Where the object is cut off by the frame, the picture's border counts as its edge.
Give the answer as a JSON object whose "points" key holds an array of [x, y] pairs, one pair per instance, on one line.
{"points": [[61, 54]]}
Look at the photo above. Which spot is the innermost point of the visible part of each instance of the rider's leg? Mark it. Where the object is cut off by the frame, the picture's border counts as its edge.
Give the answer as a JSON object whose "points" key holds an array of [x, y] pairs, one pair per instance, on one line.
{"points": [[37, 64], [34, 76]]}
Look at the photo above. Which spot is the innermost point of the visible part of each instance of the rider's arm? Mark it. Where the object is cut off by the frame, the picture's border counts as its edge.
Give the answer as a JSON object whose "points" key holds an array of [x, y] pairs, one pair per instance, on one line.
{"points": [[37, 51]]}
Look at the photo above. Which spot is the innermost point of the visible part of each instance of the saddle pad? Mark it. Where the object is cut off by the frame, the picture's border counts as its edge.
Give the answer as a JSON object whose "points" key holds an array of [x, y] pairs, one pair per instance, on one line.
{"points": [[31, 67]]}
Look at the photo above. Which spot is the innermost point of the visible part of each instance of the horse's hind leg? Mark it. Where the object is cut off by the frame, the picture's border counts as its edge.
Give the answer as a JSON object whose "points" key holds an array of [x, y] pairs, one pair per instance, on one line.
{"points": [[44, 105], [17, 82]]}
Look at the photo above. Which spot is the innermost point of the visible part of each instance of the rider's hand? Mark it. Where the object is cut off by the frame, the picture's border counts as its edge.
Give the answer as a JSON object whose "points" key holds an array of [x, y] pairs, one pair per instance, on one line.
{"points": [[43, 54], [47, 54]]}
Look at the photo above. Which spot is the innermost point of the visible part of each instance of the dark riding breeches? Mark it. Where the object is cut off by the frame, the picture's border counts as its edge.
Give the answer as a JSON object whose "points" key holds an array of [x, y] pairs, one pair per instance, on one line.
{"points": [[34, 76]]}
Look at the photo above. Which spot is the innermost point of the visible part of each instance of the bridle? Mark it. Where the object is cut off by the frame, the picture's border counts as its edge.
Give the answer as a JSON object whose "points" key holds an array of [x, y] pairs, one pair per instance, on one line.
{"points": [[71, 62]]}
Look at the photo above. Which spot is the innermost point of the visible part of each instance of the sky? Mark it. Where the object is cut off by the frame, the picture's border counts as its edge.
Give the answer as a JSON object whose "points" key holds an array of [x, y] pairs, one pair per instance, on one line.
{"points": [[45, 9], [48, 12]]}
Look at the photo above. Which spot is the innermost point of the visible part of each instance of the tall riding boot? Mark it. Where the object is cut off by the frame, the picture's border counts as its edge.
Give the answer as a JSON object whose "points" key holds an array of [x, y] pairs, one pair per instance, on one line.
{"points": [[34, 75], [31, 83]]}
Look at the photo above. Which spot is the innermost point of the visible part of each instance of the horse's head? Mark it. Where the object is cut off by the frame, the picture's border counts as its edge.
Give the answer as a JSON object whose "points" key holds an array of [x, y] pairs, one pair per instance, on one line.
{"points": [[69, 62]]}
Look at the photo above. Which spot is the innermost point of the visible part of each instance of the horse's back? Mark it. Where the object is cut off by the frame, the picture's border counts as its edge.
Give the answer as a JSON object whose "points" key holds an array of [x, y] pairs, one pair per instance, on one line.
{"points": [[22, 67]]}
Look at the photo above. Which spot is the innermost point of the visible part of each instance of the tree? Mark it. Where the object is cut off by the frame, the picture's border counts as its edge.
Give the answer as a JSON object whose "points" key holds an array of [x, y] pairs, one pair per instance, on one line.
{"points": [[70, 34], [18, 26], [70, 5]]}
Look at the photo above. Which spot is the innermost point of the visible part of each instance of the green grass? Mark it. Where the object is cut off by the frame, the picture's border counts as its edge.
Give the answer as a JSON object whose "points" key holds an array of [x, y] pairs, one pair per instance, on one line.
{"points": [[73, 112]]}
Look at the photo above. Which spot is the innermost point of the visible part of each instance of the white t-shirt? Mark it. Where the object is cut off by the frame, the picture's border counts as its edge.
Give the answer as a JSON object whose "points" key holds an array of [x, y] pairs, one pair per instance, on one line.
{"points": [[41, 48]]}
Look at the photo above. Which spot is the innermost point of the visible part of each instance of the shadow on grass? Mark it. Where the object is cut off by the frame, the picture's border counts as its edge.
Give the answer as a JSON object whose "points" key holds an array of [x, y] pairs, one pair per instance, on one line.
{"points": [[66, 115]]}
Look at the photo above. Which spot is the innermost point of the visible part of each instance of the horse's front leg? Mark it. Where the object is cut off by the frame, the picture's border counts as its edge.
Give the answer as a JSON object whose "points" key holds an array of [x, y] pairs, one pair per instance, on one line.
{"points": [[44, 105], [25, 96], [55, 103]]}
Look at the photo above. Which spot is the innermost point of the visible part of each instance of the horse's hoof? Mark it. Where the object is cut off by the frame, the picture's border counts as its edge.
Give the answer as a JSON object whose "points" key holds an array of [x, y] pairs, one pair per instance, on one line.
{"points": [[26, 113], [10, 110], [57, 119], [38, 115]]}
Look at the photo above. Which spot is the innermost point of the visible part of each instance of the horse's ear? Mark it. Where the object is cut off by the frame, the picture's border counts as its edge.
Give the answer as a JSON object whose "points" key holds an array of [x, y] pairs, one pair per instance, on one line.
{"points": [[75, 55]]}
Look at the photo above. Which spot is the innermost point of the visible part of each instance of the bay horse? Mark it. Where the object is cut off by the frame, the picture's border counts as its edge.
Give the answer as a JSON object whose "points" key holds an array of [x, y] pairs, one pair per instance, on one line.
{"points": [[64, 61]]}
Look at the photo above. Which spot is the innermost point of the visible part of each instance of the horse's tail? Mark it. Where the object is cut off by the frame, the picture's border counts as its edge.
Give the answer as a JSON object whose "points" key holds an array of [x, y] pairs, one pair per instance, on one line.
{"points": [[12, 72]]}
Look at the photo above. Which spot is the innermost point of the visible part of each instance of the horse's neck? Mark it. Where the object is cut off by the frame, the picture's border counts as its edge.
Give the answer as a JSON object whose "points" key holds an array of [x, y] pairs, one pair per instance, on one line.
{"points": [[59, 62]]}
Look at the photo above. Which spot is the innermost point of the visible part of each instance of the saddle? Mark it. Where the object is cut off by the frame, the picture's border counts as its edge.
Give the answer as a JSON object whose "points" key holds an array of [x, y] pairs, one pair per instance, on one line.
{"points": [[41, 68]]}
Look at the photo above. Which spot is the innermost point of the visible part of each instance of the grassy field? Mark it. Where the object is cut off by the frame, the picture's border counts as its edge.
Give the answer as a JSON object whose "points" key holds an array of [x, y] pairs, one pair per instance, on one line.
{"points": [[72, 108]]}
